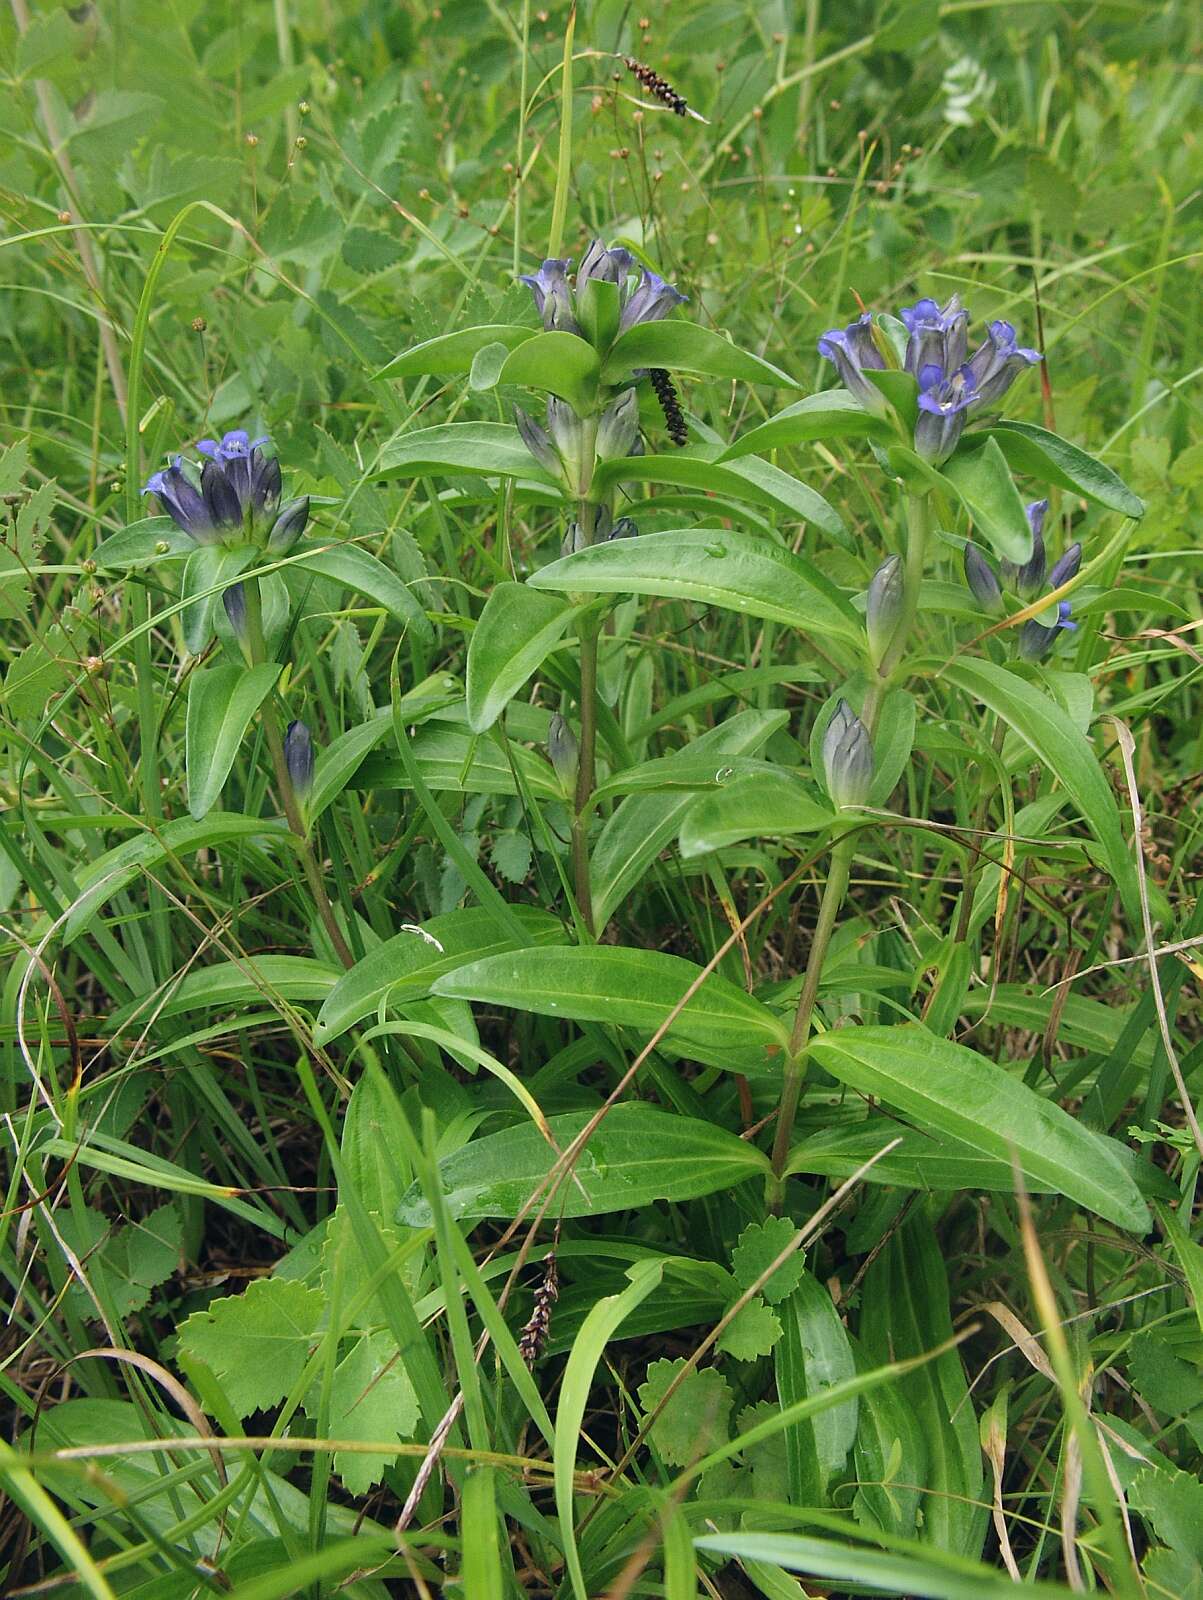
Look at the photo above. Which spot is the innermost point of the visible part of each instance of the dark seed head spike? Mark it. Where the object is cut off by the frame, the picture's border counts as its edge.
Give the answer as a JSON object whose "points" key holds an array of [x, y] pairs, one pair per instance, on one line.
{"points": [[534, 1335], [674, 417], [657, 86]]}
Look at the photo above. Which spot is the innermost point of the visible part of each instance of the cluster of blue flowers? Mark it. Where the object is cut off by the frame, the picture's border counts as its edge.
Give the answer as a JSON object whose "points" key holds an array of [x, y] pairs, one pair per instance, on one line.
{"points": [[234, 493], [562, 307], [953, 385], [1027, 581]]}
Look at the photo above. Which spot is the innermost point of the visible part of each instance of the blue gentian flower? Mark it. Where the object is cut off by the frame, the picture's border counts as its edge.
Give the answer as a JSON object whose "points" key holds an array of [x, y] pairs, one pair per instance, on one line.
{"points": [[937, 336], [853, 352], [555, 300], [298, 758], [234, 492], [553, 297], [983, 584], [1066, 568], [944, 403], [1028, 579], [1035, 640], [997, 363]]}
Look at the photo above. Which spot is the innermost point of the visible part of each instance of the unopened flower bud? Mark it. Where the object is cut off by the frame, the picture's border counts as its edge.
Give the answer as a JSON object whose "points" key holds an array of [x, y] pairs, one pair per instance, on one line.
{"points": [[298, 758], [1035, 640], [983, 584], [624, 528], [573, 540], [847, 757], [1028, 579], [234, 600], [884, 606], [1066, 568], [536, 441], [289, 525], [564, 752], [573, 444], [619, 427]]}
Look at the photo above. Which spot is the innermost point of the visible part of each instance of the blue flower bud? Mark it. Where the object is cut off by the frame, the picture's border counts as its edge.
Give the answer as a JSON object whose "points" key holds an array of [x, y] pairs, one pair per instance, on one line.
{"points": [[536, 441], [564, 752], [883, 606], [624, 528], [553, 297], [574, 445], [1035, 640], [289, 525], [983, 584], [1028, 579], [234, 600], [298, 758], [1066, 568], [847, 757]]}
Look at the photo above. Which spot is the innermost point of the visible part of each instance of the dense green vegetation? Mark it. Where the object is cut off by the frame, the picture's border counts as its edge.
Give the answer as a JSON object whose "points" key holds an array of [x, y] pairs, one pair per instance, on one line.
{"points": [[541, 1063]]}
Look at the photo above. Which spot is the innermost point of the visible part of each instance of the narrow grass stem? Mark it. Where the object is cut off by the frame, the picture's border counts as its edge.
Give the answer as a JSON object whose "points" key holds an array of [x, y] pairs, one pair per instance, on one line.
{"points": [[585, 776], [288, 795]]}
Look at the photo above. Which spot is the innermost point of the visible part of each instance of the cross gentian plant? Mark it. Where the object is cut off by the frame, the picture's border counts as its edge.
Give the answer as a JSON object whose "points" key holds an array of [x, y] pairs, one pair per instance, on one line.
{"points": [[232, 497]]}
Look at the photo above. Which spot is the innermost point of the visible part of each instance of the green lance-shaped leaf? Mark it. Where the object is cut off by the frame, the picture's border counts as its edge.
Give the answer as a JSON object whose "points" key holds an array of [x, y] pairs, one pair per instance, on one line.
{"points": [[517, 629], [982, 482], [768, 804], [1049, 731], [563, 364], [488, 449], [636, 989], [139, 545], [360, 570], [404, 967], [946, 1089], [711, 566], [687, 347], [1050, 459], [453, 353], [638, 1154], [221, 702], [813, 1355], [833, 414], [754, 481]]}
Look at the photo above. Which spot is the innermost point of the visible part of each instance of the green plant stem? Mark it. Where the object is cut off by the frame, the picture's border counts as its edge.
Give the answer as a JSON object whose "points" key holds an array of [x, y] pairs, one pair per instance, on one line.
{"points": [[288, 795], [585, 776], [918, 521]]}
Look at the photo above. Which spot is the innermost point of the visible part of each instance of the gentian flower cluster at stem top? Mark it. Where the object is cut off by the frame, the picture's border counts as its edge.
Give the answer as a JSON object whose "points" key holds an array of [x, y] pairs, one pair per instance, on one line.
{"points": [[1035, 640], [953, 385], [234, 494], [557, 302]]}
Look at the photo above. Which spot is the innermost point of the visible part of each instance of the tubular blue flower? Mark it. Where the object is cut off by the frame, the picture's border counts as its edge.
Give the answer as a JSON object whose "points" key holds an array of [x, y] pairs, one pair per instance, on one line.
{"points": [[943, 405], [983, 584], [847, 757], [183, 501], [651, 301], [883, 606], [1066, 568], [1028, 579], [553, 297], [609, 266], [1035, 640], [853, 352], [937, 335], [238, 488], [996, 364], [298, 758]]}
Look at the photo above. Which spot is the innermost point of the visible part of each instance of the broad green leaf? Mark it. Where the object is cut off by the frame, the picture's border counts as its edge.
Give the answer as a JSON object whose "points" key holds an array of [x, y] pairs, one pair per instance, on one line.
{"points": [[770, 804], [983, 483], [814, 1355], [403, 968], [118, 867], [486, 367], [371, 1399], [221, 702], [946, 1089], [563, 364], [256, 1343], [638, 1154], [155, 539], [644, 824], [688, 347], [339, 761], [207, 566], [710, 566], [516, 630], [487, 449], [929, 1575], [1050, 459], [833, 414], [751, 479], [682, 770], [628, 988], [1067, 753], [449, 759], [452, 353], [360, 570]]}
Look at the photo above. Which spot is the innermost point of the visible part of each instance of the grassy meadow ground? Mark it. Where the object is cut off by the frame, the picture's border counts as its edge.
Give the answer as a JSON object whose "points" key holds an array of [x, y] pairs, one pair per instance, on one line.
{"points": [[282, 1065]]}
